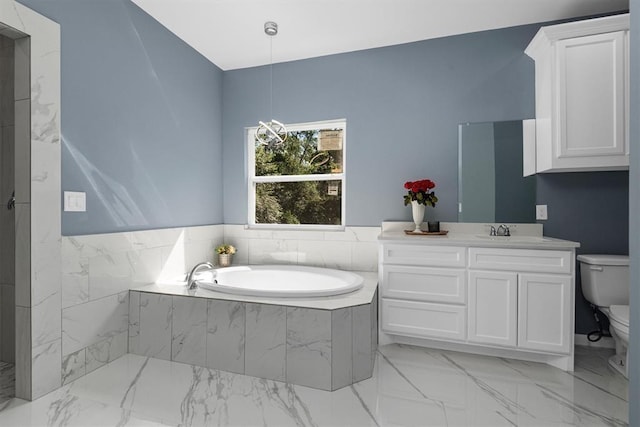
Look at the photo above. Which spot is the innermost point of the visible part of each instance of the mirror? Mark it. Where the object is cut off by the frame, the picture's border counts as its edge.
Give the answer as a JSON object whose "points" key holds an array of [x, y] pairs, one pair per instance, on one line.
{"points": [[491, 187]]}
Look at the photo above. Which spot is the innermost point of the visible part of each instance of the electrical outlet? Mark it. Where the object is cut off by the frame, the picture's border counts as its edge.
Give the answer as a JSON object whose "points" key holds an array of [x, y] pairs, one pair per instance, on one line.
{"points": [[541, 212]]}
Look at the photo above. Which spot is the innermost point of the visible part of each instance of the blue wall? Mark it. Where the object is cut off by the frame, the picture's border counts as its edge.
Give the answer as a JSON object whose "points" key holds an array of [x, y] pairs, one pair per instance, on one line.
{"points": [[634, 215], [141, 120], [403, 105]]}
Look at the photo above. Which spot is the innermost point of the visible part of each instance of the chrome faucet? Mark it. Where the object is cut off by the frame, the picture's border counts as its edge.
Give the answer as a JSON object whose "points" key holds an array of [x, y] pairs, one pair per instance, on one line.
{"points": [[191, 282], [503, 230]]}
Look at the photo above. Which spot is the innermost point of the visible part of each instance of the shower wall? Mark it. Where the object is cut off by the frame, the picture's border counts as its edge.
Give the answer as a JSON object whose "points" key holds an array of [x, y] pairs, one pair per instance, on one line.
{"points": [[7, 217]]}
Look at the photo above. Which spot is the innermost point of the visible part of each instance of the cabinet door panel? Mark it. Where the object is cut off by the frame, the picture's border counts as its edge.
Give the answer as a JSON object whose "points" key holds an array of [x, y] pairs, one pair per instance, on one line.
{"points": [[492, 307], [424, 283], [544, 312], [591, 95]]}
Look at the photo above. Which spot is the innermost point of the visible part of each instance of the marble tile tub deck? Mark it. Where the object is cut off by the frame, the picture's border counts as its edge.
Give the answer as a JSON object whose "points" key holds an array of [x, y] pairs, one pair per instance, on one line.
{"points": [[410, 386], [325, 343]]}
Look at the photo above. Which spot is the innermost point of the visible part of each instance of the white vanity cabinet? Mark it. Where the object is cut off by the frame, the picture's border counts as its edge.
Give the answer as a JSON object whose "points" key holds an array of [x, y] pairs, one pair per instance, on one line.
{"points": [[424, 290], [506, 301], [582, 95]]}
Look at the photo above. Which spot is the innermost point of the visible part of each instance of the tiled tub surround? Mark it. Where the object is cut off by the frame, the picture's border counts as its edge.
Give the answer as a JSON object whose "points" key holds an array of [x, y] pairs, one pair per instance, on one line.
{"points": [[98, 271], [325, 343]]}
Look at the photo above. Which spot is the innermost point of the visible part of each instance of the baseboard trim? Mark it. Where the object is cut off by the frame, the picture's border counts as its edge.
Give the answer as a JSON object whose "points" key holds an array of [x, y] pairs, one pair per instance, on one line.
{"points": [[604, 342]]}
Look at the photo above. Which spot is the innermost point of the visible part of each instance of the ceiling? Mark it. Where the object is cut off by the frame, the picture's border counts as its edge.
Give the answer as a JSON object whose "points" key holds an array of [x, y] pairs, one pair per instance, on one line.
{"points": [[230, 32]]}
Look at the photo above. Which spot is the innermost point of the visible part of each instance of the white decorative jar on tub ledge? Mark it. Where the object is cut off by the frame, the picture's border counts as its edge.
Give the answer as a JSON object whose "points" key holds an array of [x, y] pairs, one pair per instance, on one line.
{"points": [[325, 342], [495, 289]]}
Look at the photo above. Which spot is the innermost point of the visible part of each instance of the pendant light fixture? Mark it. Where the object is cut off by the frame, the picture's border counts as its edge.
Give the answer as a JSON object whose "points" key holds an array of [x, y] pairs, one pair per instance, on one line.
{"points": [[272, 133]]}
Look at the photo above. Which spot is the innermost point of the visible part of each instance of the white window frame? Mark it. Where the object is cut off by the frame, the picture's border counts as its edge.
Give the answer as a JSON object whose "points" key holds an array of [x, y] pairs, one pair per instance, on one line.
{"points": [[253, 179]]}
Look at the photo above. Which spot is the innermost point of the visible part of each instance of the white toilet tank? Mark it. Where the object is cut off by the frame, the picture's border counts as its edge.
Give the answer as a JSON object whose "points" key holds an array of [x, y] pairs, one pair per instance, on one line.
{"points": [[605, 279]]}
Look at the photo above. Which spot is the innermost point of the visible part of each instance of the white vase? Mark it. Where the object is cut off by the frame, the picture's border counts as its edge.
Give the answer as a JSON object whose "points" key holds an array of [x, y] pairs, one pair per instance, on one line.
{"points": [[417, 210]]}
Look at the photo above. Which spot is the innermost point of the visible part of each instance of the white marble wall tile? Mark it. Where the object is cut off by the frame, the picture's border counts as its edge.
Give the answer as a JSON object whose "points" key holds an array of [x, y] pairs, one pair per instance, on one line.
{"points": [[45, 318], [134, 322], [354, 234], [325, 254], [23, 352], [105, 351], [156, 238], [265, 345], [198, 251], [109, 274], [226, 335], [73, 366], [146, 265], [75, 280], [309, 347], [209, 233], [273, 251], [94, 321], [155, 326], [364, 256], [298, 235], [362, 346], [341, 348], [7, 323], [173, 262], [45, 270], [46, 364], [189, 330]]}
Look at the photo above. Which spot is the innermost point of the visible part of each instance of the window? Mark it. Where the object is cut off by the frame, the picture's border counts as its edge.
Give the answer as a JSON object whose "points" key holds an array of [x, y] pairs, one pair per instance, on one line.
{"points": [[299, 183]]}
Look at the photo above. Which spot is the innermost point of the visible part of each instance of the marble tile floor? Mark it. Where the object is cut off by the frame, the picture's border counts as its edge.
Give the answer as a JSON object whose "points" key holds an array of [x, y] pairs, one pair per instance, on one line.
{"points": [[411, 386], [7, 382]]}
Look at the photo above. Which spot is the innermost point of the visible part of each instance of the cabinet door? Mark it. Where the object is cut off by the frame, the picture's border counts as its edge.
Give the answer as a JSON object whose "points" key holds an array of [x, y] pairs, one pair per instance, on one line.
{"points": [[544, 312], [493, 300], [590, 130]]}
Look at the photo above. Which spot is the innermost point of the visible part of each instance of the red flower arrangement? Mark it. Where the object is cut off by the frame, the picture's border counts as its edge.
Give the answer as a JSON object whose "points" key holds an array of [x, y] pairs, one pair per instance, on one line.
{"points": [[421, 192]]}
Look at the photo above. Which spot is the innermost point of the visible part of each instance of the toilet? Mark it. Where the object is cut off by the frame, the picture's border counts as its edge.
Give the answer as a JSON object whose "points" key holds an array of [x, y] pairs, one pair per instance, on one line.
{"points": [[605, 284]]}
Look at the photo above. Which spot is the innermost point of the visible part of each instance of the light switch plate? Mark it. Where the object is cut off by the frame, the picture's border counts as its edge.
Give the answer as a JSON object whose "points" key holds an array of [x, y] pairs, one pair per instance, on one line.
{"points": [[75, 201], [541, 212]]}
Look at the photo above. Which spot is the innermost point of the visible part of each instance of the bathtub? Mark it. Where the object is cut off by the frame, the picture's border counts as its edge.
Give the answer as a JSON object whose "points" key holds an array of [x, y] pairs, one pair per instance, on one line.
{"points": [[280, 281]]}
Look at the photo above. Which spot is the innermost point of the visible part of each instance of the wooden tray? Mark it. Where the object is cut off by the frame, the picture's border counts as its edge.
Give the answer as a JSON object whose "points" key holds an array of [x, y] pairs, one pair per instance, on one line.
{"points": [[426, 233]]}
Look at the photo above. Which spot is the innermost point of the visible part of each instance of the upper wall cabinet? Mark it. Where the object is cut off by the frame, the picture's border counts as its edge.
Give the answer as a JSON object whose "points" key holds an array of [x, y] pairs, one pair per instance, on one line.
{"points": [[582, 96]]}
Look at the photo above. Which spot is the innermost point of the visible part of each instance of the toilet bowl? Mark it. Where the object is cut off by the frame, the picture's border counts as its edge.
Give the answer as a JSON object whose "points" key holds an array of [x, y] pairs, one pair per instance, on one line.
{"points": [[605, 284], [619, 328]]}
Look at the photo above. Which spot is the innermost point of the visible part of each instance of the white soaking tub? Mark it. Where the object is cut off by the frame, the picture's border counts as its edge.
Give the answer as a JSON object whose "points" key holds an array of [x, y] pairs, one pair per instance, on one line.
{"points": [[280, 281]]}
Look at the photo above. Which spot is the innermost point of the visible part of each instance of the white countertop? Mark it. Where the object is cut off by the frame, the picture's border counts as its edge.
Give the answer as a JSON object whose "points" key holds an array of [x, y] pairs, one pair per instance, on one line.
{"points": [[363, 295], [523, 236]]}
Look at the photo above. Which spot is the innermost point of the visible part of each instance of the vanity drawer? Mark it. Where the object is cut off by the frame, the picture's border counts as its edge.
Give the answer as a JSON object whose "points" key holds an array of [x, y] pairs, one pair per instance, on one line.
{"points": [[436, 256], [542, 261], [423, 319], [424, 283]]}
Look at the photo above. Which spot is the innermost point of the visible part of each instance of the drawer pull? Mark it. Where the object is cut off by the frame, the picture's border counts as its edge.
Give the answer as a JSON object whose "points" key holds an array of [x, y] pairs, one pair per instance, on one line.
{"points": [[595, 268]]}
